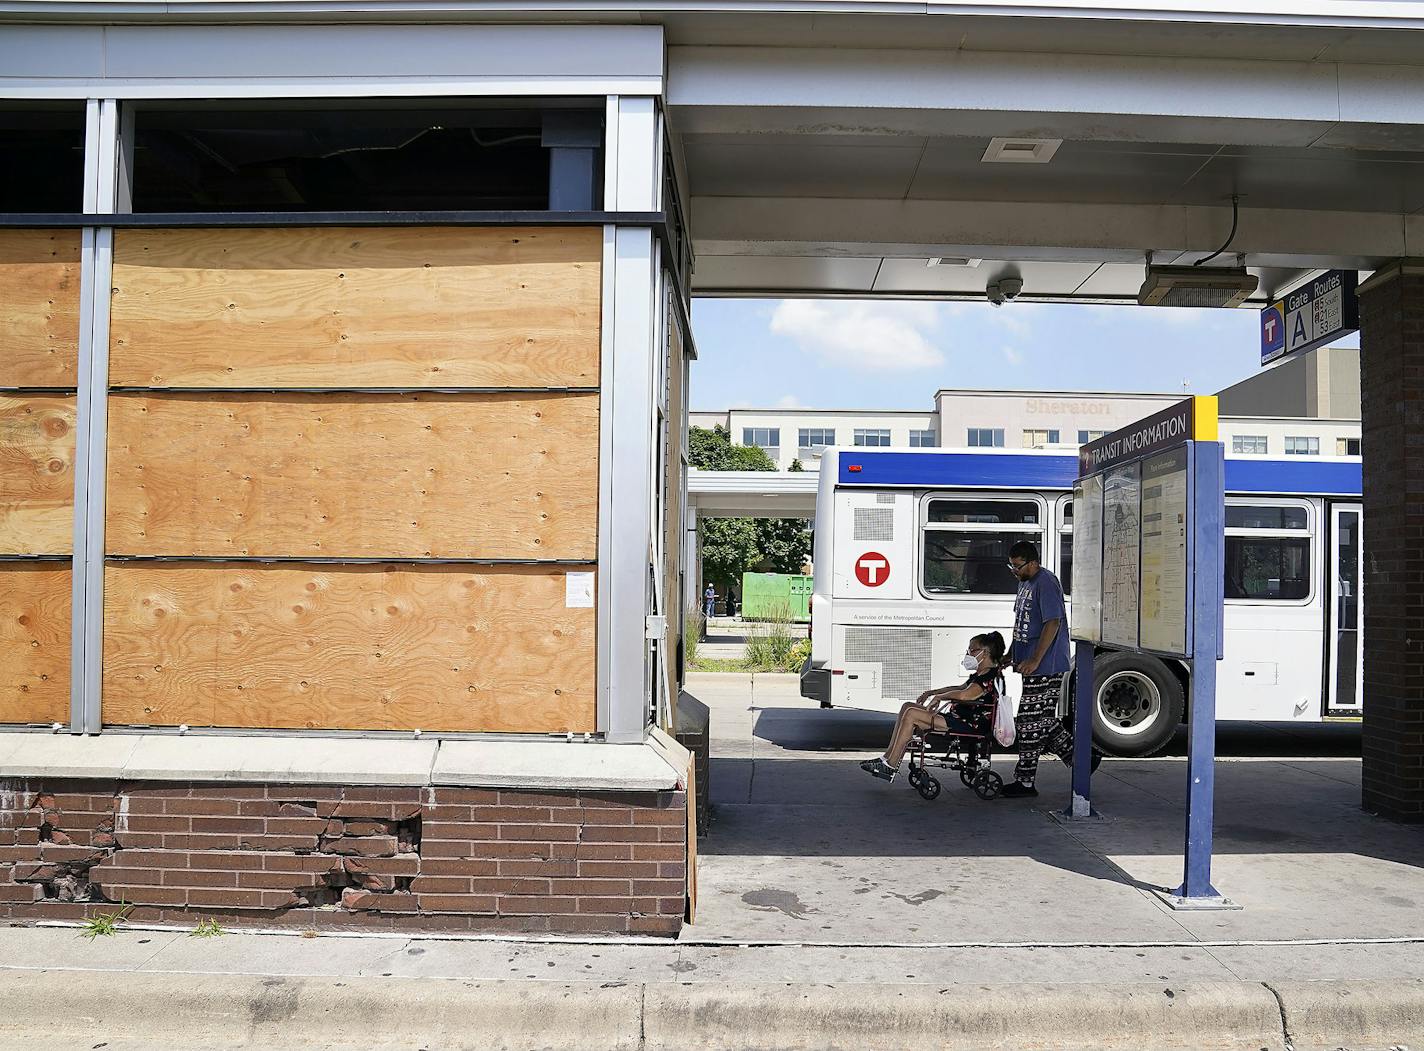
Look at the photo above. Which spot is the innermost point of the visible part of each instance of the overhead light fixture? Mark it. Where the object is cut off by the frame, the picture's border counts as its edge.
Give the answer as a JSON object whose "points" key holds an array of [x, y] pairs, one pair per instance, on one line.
{"points": [[952, 260], [1021, 151], [1196, 286]]}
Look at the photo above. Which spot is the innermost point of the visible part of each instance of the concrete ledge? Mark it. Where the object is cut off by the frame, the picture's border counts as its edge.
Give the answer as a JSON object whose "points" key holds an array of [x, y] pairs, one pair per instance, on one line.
{"points": [[286, 760], [64, 755], [552, 764], [536, 763]]}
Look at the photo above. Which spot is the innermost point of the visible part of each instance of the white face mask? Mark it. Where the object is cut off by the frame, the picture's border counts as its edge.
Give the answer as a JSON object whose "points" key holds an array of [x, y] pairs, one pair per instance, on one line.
{"points": [[970, 662]]}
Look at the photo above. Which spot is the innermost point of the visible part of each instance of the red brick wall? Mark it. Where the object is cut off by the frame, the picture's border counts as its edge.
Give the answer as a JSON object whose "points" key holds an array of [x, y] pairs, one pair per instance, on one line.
{"points": [[1392, 409], [322, 856]]}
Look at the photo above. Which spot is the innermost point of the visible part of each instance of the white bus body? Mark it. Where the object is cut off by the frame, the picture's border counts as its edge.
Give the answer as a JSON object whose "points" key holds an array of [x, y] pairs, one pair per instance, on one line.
{"points": [[911, 552]]}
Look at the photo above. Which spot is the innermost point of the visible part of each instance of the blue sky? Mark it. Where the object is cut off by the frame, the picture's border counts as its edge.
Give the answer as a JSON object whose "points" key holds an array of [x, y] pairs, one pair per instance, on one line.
{"points": [[886, 354]]}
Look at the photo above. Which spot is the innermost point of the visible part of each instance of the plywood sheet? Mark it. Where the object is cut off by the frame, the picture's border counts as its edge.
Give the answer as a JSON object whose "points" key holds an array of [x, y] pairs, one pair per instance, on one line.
{"points": [[39, 308], [338, 307], [352, 647], [34, 642], [357, 476], [37, 474]]}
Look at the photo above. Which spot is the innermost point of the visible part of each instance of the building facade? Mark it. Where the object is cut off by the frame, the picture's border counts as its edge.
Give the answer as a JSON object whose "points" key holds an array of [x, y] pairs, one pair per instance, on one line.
{"points": [[1308, 405], [277, 300]]}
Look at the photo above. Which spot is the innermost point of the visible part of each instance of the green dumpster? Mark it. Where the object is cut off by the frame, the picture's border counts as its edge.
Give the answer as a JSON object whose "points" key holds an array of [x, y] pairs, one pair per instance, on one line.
{"points": [[767, 596]]}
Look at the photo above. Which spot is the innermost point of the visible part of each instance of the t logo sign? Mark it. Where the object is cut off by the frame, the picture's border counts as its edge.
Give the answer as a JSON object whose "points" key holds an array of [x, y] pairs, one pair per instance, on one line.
{"points": [[872, 569]]}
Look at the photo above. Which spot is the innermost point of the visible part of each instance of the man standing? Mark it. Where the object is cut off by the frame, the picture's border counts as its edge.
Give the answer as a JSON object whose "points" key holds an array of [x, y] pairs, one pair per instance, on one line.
{"points": [[1040, 654], [709, 599]]}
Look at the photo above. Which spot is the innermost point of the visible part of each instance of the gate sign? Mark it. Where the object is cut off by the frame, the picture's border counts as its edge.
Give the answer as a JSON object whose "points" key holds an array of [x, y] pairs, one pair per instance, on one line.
{"points": [[872, 569], [1311, 316]]}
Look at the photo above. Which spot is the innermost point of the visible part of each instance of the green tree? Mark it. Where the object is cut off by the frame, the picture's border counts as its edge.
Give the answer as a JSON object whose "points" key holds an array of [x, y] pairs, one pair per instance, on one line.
{"points": [[797, 465], [729, 549], [713, 451], [783, 544], [732, 546]]}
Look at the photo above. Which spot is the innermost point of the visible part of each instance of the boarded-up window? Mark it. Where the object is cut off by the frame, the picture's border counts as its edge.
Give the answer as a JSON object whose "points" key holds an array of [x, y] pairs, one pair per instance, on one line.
{"points": [[395, 395]]}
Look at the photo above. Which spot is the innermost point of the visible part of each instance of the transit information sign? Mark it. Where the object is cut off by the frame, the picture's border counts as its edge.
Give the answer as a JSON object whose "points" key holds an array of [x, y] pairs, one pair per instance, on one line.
{"points": [[1149, 511], [1130, 532]]}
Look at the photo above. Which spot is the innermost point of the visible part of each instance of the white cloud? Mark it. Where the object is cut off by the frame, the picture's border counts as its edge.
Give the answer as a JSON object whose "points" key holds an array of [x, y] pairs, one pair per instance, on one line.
{"points": [[790, 401], [867, 335], [1012, 356]]}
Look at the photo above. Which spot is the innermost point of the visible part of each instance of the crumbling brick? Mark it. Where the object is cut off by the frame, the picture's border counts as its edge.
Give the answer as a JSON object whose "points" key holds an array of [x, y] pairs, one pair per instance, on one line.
{"points": [[366, 901], [367, 827], [361, 846]]}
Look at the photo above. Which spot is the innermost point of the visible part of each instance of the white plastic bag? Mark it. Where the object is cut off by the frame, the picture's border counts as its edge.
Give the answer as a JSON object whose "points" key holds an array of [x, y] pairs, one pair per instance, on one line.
{"points": [[1004, 731]]}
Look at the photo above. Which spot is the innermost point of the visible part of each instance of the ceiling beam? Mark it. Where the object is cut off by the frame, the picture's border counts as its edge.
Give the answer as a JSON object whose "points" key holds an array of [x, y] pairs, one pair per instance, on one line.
{"points": [[1045, 231]]}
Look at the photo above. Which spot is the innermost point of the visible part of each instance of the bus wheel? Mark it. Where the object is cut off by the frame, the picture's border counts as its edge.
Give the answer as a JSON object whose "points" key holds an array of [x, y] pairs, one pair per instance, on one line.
{"points": [[1138, 706]]}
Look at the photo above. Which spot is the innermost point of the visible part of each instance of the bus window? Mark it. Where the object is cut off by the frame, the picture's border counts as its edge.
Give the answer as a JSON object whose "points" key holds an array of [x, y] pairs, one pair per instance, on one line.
{"points": [[1254, 516], [983, 512], [1267, 552], [1065, 549], [966, 544]]}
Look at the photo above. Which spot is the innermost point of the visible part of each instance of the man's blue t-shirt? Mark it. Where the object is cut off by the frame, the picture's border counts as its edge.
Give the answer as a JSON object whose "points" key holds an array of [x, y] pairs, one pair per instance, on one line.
{"points": [[1040, 599]]}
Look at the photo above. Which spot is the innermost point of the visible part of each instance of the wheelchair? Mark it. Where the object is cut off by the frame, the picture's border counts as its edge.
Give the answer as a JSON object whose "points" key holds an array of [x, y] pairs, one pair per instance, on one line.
{"points": [[965, 748]]}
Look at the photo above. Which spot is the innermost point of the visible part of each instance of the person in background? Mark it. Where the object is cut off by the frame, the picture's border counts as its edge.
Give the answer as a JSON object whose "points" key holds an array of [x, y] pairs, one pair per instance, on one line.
{"points": [[934, 710], [709, 600], [1040, 654]]}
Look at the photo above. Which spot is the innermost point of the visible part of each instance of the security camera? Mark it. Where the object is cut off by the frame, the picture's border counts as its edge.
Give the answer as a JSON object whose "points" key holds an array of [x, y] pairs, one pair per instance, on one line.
{"points": [[1001, 291]]}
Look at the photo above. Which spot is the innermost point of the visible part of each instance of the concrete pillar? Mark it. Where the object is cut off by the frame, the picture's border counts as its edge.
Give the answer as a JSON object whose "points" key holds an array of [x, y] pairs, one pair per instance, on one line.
{"points": [[1392, 410]]}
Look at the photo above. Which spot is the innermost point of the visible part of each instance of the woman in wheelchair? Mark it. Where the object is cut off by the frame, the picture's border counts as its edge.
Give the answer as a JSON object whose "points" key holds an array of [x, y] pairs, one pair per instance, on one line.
{"points": [[953, 709]]}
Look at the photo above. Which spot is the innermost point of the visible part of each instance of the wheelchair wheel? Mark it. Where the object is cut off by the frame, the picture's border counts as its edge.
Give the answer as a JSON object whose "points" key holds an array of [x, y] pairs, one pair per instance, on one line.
{"points": [[988, 784], [966, 777], [928, 787], [915, 777]]}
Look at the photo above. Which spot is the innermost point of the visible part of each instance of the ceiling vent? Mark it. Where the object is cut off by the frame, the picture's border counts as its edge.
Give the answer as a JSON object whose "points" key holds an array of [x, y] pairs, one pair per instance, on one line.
{"points": [[1196, 286], [952, 260], [1021, 151]]}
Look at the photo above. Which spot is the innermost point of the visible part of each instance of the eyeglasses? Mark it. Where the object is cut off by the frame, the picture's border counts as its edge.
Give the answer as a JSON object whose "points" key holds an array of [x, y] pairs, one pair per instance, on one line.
{"points": [[1017, 566]]}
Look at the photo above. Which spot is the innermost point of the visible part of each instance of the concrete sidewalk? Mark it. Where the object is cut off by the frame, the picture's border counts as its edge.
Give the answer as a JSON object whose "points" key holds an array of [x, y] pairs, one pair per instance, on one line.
{"points": [[838, 911], [142, 991]]}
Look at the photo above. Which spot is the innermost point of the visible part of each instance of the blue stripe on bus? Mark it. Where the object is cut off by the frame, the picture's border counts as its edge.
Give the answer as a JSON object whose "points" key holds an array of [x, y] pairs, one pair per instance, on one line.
{"points": [[1296, 475], [948, 470]]}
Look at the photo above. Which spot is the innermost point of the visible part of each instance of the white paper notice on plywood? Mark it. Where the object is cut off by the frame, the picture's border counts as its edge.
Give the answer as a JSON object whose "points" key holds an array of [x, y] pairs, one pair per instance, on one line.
{"points": [[1122, 550], [578, 590]]}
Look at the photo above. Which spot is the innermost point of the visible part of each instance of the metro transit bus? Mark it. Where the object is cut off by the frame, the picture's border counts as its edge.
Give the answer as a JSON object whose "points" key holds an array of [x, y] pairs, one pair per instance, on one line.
{"points": [[911, 559]]}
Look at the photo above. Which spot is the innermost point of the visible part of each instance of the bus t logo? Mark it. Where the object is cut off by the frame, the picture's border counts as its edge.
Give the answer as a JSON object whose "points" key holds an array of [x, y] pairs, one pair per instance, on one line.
{"points": [[872, 569]]}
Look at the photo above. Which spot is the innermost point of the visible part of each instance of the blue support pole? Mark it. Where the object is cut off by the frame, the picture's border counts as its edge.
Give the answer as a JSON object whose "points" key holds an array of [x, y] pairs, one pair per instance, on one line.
{"points": [[1208, 508], [1084, 686]]}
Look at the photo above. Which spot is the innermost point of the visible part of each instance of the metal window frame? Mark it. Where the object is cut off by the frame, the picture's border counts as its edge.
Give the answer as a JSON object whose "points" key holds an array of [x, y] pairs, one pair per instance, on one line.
{"points": [[1040, 529], [996, 437], [633, 279], [1312, 532]]}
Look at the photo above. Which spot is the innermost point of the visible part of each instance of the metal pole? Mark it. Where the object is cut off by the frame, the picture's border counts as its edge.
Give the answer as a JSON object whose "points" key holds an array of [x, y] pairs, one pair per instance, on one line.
{"points": [[1084, 687], [1209, 512]]}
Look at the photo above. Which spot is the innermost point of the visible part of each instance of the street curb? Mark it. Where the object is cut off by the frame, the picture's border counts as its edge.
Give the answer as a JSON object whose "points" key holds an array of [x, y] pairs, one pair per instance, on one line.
{"points": [[131, 1010], [46, 1010], [1205, 1016], [1358, 1015]]}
